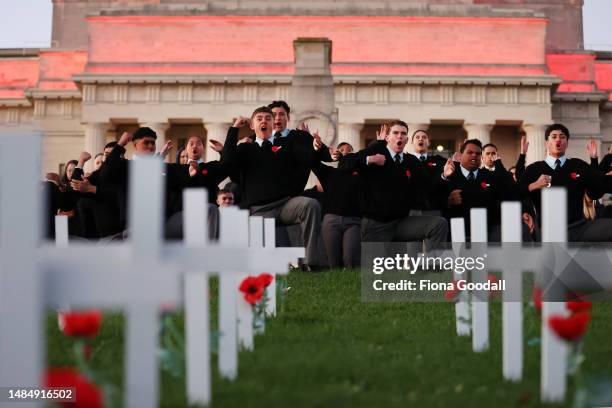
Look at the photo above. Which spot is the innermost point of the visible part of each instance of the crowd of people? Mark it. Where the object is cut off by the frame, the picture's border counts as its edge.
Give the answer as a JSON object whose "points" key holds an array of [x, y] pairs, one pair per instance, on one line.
{"points": [[393, 190]]}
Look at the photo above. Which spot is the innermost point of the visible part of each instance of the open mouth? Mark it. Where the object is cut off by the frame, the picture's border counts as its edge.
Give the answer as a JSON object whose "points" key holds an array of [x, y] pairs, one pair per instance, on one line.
{"points": [[399, 143], [421, 144], [264, 128], [277, 124]]}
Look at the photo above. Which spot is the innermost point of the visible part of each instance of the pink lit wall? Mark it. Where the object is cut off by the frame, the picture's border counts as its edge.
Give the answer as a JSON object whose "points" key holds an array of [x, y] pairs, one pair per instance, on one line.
{"points": [[576, 70], [603, 76], [16, 75], [58, 67], [361, 45]]}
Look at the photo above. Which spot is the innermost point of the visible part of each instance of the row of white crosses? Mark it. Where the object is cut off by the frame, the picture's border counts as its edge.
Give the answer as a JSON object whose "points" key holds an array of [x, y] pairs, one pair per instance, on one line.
{"points": [[139, 277], [513, 260]]}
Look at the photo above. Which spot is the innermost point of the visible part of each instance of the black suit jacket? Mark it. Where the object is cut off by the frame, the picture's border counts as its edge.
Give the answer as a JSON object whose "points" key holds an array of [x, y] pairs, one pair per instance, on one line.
{"points": [[390, 191], [488, 190]]}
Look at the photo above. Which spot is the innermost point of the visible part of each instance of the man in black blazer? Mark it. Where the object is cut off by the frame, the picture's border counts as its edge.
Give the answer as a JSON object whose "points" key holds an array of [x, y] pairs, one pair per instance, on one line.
{"points": [[466, 185], [391, 184], [195, 174], [577, 177], [433, 165], [301, 171], [115, 170], [265, 167]]}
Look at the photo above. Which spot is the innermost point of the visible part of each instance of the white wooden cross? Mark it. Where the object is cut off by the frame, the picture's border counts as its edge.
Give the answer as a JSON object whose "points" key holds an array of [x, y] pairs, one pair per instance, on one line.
{"points": [[513, 260], [21, 304], [136, 277]]}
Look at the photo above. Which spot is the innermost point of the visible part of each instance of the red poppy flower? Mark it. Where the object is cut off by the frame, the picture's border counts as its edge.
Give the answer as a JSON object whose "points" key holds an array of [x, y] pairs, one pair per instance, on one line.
{"points": [[451, 294], [536, 293], [204, 172], [574, 175], [578, 306], [484, 185], [408, 174], [265, 279], [431, 164], [570, 328], [355, 173], [252, 289], [276, 148], [80, 324], [87, 394]]}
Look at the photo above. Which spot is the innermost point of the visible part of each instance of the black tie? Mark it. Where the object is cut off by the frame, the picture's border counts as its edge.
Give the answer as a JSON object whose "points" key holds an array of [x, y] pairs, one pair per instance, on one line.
{"points": [[471, 176], [266, 144], [423, 157], [397, 158], [277, 138], [557, 164]]}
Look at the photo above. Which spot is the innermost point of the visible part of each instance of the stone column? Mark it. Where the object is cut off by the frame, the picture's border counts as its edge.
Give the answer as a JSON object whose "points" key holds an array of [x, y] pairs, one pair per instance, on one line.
{"points": [[95, 139], [218, 132], [350, 133], [160, 130], [481, 132], [537, 145]]}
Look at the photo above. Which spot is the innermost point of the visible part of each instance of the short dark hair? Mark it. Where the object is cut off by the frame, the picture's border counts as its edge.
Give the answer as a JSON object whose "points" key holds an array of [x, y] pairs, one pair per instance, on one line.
{"points": [[280, 104], [399, 123], [262, 109], [556, 126], [110, 145], [489, 145], [196, 136], [471, 141], [420, 130], [143, 132], [224, 190], [344, 144]]}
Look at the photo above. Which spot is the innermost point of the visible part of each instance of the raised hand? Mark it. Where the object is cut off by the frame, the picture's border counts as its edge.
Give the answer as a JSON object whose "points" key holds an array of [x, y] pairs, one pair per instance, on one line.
{"points": [[304, 127], [124, 139], [316, 141], [245, 140], [166, 149], [383, 132], [524, 144], [216, 145], [83, 157], [592, 148], [376, 160], [449, 168], [457, 157], [241, 121]]}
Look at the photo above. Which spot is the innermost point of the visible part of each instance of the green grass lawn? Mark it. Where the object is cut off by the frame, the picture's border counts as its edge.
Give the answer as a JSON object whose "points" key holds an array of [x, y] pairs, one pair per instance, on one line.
{"points": [[329, 349]]}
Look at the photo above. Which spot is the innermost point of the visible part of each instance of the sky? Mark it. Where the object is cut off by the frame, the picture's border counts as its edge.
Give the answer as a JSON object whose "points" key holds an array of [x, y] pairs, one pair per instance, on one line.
{"points": [[27, 24]]}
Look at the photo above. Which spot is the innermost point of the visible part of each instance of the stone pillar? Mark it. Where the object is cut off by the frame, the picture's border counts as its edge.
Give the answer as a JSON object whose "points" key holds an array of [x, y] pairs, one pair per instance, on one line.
{"points": [[537, 145], [95, 139], [160, 130], [312, 86], [481, 132], [351, 134], [218, 132]]}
